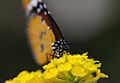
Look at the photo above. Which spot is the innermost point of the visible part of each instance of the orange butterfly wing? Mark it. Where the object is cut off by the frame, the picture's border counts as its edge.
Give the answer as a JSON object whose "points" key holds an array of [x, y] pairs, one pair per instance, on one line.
{"points": [[41, 38], [25, 3]]}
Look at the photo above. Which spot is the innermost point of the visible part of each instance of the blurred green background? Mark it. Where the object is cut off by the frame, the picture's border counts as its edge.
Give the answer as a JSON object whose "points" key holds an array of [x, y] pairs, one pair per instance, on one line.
{"points": [[87, 25]]}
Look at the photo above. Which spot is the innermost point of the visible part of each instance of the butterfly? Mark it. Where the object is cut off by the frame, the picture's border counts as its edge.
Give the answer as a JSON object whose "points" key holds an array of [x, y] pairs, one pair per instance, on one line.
{"points": [[44, 36]]}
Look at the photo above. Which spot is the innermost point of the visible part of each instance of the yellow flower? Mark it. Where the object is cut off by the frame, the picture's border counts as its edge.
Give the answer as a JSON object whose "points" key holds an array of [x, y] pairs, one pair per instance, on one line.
{"points": [[66, 69], [50, 73], [26, 77], [59, 61], [78, 71], [50, 65]]}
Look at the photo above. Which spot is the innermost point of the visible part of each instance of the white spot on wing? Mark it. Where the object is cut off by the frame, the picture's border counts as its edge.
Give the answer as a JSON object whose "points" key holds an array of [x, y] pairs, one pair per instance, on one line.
{"points": [[40, 0], [49, 12], [45, 13], [58, 41], [52, 44], [53, 47], [34, 3], [41, 6], [43, 22], [57, 55], [38, 10], [44, 5], [48, 27]]}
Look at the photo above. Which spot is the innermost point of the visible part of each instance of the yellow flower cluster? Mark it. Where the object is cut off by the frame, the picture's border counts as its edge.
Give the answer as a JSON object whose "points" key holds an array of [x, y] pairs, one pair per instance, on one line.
{"points": [[67, 69]]}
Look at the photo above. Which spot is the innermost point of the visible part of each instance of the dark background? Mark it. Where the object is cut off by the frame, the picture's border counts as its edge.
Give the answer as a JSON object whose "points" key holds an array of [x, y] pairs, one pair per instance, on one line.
{"points": [[87, 25]]}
